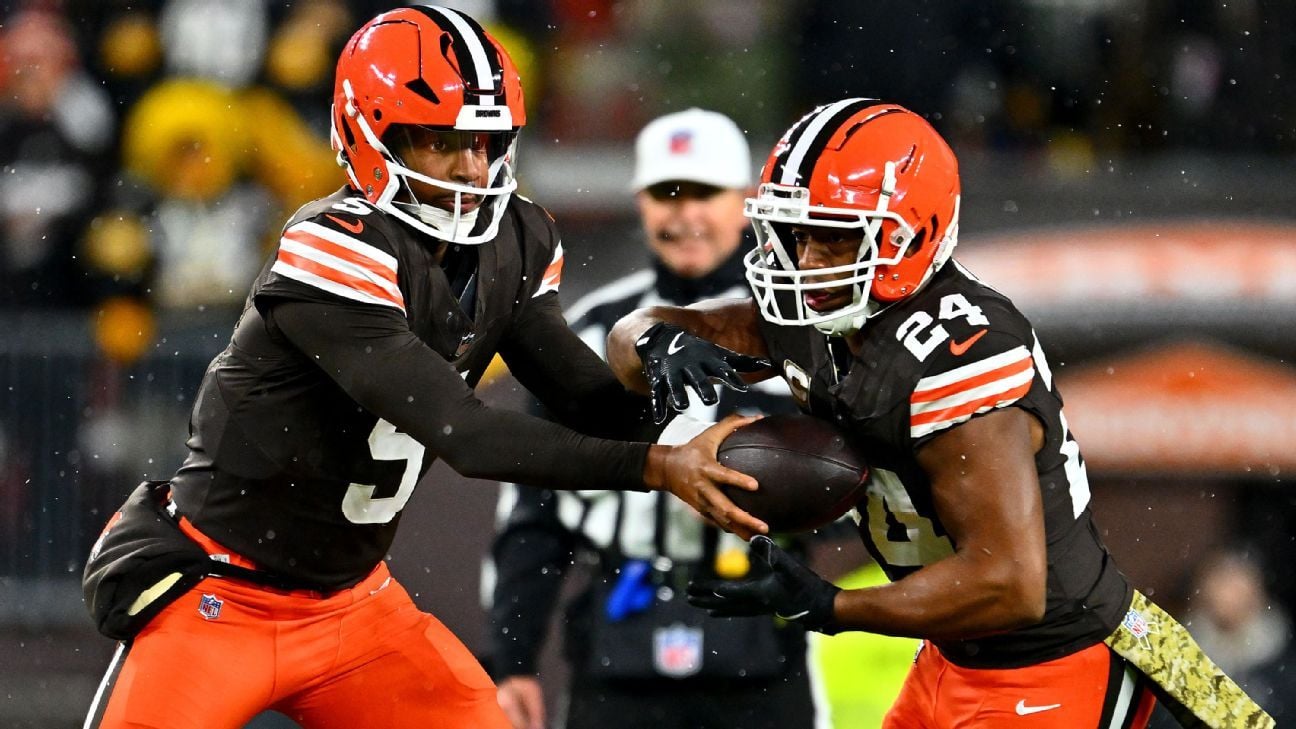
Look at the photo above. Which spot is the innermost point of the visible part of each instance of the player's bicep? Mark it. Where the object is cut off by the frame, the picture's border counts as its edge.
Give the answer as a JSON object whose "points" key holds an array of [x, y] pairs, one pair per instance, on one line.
{"points": [[545, 354], [986, 490]]}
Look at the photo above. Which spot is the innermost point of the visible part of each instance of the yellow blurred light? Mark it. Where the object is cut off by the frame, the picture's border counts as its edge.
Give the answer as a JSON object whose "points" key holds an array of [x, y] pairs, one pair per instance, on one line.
{"points": [[130, 46], [732, 564], [285, 155], [117, 243], [298, 59], [186, 138], [124, 329]]}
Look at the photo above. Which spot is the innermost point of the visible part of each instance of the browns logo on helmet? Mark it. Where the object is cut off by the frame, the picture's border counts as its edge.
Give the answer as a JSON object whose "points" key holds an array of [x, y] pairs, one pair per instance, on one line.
{"points": [[853, 164], [434, 68]]}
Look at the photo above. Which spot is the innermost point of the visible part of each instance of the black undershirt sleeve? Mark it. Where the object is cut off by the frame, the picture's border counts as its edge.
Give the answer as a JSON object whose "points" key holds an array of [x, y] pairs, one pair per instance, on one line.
{"points": [[576, 387], [370, 352]]}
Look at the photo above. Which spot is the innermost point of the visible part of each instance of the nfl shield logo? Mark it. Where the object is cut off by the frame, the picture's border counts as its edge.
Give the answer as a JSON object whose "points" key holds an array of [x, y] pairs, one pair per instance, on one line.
{"points": [[1136, 624], [681, 142], [677, 650], [210, 607]]}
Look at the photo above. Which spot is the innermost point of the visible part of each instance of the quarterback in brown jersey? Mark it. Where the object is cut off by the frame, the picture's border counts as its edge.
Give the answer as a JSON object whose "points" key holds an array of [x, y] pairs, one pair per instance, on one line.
{"points": [[978, 501], [257, 571]]}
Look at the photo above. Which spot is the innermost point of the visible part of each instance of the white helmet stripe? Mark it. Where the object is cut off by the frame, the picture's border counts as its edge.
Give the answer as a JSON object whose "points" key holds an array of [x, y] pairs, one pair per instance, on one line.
{"points": [[476, 50], [808, 140]]}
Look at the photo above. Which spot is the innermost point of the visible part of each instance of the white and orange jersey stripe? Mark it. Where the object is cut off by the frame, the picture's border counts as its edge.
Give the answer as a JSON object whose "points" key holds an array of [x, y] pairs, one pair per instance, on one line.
{"points": [[940, 401], [553, 273], [338, 263]]}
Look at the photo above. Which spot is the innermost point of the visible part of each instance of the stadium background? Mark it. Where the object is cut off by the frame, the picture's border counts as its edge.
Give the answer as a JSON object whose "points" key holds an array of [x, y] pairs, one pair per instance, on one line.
{"points": [[1128, 175]]}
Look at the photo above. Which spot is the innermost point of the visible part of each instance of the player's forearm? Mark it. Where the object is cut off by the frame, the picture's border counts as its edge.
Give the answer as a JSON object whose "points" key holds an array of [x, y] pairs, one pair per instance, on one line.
{"points": [[576, 387], [963, 596], [730, 323], [621, 354], [482, 442], [389, 372]]}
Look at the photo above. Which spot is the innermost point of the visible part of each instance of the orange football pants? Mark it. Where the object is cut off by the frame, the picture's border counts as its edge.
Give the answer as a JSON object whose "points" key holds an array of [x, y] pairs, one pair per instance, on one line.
{"points": [[364, 657], [1092, 688]]}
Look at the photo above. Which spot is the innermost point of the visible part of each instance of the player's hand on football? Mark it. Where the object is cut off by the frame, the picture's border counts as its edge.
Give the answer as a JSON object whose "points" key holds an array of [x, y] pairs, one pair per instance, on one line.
{"points": [[522, 700], [778, 584], [692, 473], [674, 360]]}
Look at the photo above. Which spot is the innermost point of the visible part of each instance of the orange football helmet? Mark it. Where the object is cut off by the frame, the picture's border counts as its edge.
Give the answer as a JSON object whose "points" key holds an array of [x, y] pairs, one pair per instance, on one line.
{"points": [[859, 164], [432, 67]]}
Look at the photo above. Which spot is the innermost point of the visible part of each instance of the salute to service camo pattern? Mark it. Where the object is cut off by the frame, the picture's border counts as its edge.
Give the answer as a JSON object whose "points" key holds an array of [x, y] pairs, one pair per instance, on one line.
{"points": [[1163, 650]]}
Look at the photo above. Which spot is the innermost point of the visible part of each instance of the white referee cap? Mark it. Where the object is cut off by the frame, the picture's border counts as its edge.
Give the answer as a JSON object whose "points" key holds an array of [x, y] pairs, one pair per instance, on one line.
{"points": [[692, 146]]}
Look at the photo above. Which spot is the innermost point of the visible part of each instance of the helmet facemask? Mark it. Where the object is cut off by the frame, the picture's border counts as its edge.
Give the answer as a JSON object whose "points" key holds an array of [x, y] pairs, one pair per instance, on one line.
{"points": [[455, 224], [780, 288], [854, 164]]}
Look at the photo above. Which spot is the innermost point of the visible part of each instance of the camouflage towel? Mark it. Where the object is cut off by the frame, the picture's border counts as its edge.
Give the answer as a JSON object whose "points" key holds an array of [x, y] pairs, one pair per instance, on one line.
{"points": [[1156, 644]]}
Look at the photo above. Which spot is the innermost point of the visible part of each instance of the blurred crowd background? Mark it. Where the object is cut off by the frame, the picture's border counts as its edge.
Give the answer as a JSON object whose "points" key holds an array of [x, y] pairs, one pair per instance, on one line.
{"points": [[1129, 173]]}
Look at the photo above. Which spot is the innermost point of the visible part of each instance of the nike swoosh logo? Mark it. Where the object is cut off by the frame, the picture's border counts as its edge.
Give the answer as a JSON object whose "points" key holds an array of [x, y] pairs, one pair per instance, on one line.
{"points": [[1024, 710], [355, 227], [672, 348], [958, 348]]}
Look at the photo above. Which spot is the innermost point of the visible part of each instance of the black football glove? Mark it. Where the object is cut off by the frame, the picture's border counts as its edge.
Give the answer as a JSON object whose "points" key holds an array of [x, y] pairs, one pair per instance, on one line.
{"points": [[673, 359], [778, 585]]}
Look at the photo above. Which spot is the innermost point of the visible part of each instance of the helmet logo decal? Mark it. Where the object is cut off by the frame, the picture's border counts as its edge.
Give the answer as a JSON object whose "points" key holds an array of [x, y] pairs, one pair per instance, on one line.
{"points": [[420, 87]]}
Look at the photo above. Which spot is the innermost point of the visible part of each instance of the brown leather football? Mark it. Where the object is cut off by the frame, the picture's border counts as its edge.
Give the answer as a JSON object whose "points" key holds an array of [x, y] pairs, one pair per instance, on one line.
{"points": [[809, 472]]}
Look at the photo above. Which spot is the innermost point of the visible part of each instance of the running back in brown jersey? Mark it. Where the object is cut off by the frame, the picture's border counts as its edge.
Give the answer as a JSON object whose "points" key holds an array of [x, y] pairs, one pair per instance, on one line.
{"points": [[955, 350], [978, 502]]}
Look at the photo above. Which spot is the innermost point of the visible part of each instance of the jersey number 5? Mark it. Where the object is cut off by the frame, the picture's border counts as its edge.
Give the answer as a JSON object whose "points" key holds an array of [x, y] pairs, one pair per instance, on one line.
{"points": [[921, 340], [368, 503]]}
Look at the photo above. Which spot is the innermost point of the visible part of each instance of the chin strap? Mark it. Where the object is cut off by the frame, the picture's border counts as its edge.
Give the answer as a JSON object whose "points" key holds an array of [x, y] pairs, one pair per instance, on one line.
{"points": [[848, 324], [843, 325], [454, 226]]}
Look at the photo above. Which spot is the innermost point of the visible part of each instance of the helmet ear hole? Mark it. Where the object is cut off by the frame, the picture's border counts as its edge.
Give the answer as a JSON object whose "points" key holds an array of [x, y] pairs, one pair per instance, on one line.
{"points": [[348, 137], [919, 239], [377, 114]]}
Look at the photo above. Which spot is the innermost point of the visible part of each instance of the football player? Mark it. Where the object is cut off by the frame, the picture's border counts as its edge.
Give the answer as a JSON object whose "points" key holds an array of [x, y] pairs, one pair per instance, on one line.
{"points": [[978, 505], [254, 578]]}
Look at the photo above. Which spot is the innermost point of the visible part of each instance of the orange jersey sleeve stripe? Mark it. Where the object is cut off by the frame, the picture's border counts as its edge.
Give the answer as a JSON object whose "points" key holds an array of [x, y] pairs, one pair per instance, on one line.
{"points": [[368, 288], [346, 254], [553, 273], [966, 410], [936, 393]]}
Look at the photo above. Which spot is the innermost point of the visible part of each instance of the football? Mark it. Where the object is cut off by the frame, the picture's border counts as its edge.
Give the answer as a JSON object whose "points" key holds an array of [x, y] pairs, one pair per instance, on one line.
{"points": [[809, 472]]}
